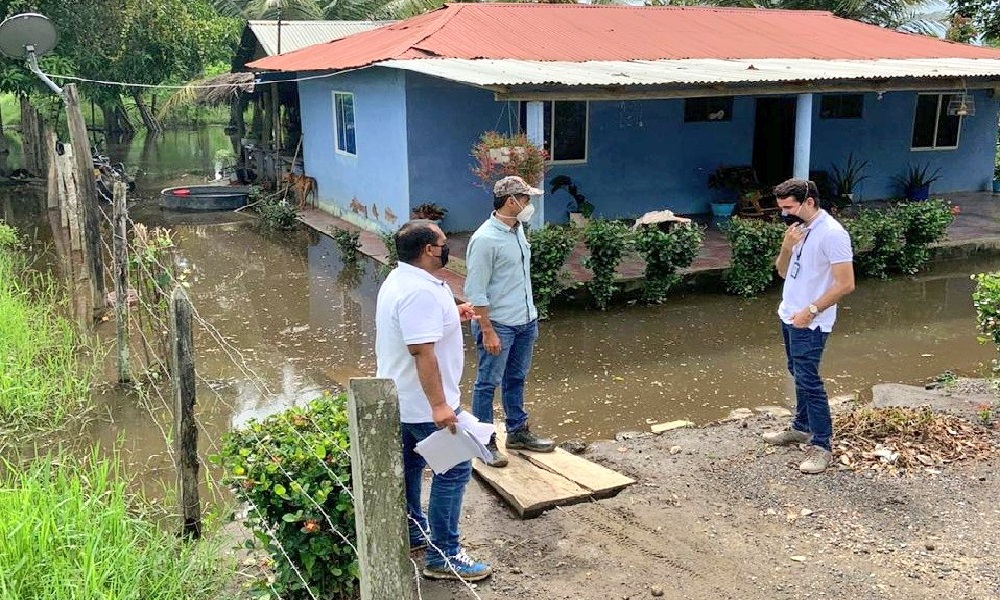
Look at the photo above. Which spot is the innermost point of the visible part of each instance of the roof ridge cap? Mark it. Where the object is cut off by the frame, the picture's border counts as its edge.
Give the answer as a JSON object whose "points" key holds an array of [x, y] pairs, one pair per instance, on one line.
{"points": [[454, 9]]}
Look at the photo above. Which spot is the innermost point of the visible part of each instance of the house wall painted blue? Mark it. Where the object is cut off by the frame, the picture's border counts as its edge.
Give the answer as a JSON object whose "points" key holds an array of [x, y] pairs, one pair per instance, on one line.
{"points": [[376, 177], [415, 134]]}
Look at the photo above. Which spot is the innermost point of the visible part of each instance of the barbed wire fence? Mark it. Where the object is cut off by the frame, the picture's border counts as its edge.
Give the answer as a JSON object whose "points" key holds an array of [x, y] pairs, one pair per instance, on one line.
{"points": [[152, 274]]}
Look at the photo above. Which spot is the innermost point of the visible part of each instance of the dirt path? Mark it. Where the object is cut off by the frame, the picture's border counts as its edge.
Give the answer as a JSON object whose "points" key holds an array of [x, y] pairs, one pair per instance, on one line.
{"points": [[726, 517]]}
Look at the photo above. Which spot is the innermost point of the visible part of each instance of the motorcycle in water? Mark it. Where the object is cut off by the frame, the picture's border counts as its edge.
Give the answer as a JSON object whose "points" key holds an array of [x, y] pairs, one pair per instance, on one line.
{"points": [[106, 173]]}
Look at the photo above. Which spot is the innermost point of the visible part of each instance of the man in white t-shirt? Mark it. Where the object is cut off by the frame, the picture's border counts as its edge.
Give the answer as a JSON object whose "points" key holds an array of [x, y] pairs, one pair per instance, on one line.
{"points": [[418, 344], [816, 262]]}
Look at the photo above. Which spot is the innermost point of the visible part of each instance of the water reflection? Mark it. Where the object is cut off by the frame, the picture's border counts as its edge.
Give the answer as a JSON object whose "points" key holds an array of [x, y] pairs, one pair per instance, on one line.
{"points": [[281, 318]]}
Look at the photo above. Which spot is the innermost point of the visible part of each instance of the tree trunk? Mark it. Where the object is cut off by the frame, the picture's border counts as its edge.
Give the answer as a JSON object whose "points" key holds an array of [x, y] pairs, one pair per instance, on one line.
{"points": [[148, 119], [117, 126]]}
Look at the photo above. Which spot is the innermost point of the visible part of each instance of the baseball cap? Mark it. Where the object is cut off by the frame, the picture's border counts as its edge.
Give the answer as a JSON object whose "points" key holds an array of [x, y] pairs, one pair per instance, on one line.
{"points": [[513, 185]]}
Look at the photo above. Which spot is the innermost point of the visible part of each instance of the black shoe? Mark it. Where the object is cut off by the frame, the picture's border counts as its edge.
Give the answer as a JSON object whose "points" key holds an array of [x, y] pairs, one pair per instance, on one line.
{"points": [[523, 439], [499, 459]]}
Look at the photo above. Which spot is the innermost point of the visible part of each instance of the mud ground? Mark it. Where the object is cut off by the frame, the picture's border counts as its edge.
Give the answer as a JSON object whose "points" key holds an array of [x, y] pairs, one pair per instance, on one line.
{"points": [[716, 515]]}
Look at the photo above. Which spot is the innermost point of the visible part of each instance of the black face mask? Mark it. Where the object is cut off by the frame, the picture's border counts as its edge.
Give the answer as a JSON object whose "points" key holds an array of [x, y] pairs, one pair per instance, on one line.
{"points": [[791, 219], [444, 254]]}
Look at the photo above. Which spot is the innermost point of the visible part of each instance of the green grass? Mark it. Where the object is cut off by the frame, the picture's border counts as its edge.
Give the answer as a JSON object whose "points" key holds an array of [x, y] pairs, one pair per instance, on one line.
{"points": [[71, 532], [41, 381]]}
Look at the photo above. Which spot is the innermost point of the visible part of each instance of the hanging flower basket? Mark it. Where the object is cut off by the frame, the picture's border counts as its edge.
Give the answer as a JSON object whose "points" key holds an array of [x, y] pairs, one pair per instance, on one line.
{"points": [[497, 155]]}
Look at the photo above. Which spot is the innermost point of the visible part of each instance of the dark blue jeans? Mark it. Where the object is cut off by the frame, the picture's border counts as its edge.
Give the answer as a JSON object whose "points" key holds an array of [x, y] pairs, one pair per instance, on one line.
{"points": [[508, 369], [447, 491], [804, 349]]}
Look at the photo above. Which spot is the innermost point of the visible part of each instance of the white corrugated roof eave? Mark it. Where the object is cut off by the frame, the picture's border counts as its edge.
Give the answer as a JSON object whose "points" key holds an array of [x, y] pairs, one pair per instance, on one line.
{"points": [[491, 73]]}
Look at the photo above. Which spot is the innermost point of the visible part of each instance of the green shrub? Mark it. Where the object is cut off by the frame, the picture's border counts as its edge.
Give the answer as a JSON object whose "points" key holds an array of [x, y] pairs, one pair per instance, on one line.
{"points": [[389, 241], [877, 237], [294, 471], [550, 247], [755, 245], [665, 252], [923, 223], [349, 243], [275, 212], [607, 242], [986, 300], [74, 531]]}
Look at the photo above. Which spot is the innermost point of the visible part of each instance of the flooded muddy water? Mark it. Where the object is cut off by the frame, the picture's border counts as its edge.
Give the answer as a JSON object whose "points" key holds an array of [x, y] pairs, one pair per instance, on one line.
{"points": [[281, 318]]}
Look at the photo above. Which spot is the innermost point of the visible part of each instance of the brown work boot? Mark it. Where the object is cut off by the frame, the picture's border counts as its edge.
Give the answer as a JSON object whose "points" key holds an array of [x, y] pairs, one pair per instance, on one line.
{"points": [[523, 439]]}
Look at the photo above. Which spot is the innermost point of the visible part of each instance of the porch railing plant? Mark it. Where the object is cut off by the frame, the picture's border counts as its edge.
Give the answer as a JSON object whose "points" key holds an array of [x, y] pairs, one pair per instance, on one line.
{"points": [[550, 247], [608, 242], [755, 244], [666, 252]]}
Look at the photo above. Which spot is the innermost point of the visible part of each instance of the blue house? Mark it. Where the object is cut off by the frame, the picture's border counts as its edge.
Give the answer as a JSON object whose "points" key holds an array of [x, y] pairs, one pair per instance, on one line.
{"points": [[639, 105]]}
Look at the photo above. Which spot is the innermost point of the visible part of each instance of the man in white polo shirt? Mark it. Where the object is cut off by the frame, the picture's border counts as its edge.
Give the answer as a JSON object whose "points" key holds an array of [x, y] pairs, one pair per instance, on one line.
{"points": [[418, 344], [816, 262]]}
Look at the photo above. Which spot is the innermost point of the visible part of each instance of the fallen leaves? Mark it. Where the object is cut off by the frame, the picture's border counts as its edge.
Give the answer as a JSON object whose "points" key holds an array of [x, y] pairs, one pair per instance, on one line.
{"points": [[900, 440]]}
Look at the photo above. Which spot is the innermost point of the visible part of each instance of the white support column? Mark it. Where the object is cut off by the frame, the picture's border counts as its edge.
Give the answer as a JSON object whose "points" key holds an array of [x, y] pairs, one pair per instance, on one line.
{"points": [[803, 135], [535, 129]]}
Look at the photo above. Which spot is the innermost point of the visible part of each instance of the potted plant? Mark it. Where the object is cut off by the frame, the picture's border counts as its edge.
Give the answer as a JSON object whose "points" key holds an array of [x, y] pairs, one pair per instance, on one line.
{"points": [[498, 155], [917, 180], [429, 211], [581, 209], [846, 179], [736, 181]]}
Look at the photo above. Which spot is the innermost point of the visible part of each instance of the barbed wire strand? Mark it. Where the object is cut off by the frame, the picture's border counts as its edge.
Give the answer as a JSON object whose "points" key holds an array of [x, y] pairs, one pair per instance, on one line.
{"points": [[262, 387]]}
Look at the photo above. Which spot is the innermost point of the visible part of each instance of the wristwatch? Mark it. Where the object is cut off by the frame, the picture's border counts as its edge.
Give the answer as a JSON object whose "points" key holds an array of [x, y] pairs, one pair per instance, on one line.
{"points": [[813, 310]]}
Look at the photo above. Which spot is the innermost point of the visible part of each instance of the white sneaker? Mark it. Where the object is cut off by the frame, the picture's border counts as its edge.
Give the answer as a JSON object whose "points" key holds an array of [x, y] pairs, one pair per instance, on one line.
{"points": [[817, 460], [786, 437]]}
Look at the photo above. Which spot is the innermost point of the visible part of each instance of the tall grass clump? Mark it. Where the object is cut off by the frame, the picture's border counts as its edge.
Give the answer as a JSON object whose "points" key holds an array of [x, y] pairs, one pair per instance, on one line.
{"points": [[41, 380], [71, 531]]}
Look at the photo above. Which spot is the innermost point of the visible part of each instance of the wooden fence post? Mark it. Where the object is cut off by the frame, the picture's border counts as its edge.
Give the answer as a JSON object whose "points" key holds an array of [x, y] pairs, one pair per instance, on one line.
{"points": [[185, 427], [379, 501], [87, 190], [121, 280]]}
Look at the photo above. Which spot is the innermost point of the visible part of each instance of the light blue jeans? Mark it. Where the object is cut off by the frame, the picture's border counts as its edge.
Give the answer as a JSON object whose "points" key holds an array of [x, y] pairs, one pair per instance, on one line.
{"points": [[507, 369], [447, 491], [804, 349]]}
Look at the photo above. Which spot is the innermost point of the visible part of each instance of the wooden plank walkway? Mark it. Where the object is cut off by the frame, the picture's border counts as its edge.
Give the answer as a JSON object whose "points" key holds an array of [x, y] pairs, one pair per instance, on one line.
{"points": [[534, 482]]}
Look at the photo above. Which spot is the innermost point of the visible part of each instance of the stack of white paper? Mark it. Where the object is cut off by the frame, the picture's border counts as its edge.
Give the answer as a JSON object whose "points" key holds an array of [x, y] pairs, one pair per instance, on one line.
{"points": [[443, 449]]}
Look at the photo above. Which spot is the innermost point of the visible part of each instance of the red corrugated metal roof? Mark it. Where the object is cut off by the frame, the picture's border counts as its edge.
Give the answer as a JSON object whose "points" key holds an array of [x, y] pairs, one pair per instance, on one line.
{"points": [[580, 32]]}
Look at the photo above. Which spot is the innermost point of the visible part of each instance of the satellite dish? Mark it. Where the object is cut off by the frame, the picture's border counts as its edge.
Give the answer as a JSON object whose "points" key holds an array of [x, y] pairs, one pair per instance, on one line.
{"points": [[20, 35]]}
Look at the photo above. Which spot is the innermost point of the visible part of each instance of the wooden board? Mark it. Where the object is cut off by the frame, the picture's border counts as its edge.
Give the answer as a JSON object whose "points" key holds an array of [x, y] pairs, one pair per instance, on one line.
{"points": [[533, 482], [601, 481]]}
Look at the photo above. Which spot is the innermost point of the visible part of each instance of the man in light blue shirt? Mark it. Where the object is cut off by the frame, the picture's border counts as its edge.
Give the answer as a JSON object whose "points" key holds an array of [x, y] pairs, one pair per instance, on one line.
{"points": [[498, 285]]}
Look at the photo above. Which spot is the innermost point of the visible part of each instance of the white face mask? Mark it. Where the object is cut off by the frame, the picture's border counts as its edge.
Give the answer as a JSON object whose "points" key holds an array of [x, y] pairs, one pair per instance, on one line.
{"points": [[526, 212]]}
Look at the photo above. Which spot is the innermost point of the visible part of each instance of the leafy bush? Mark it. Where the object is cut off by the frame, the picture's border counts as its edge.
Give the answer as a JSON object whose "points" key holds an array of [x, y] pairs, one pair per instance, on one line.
{"points": [[389, 240], [923, 223], [878, 240], [275, 212], [349, 242], [755, 245], [550, 247], [607, 241], [986, 300], [665, 252], [293, 469]]}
